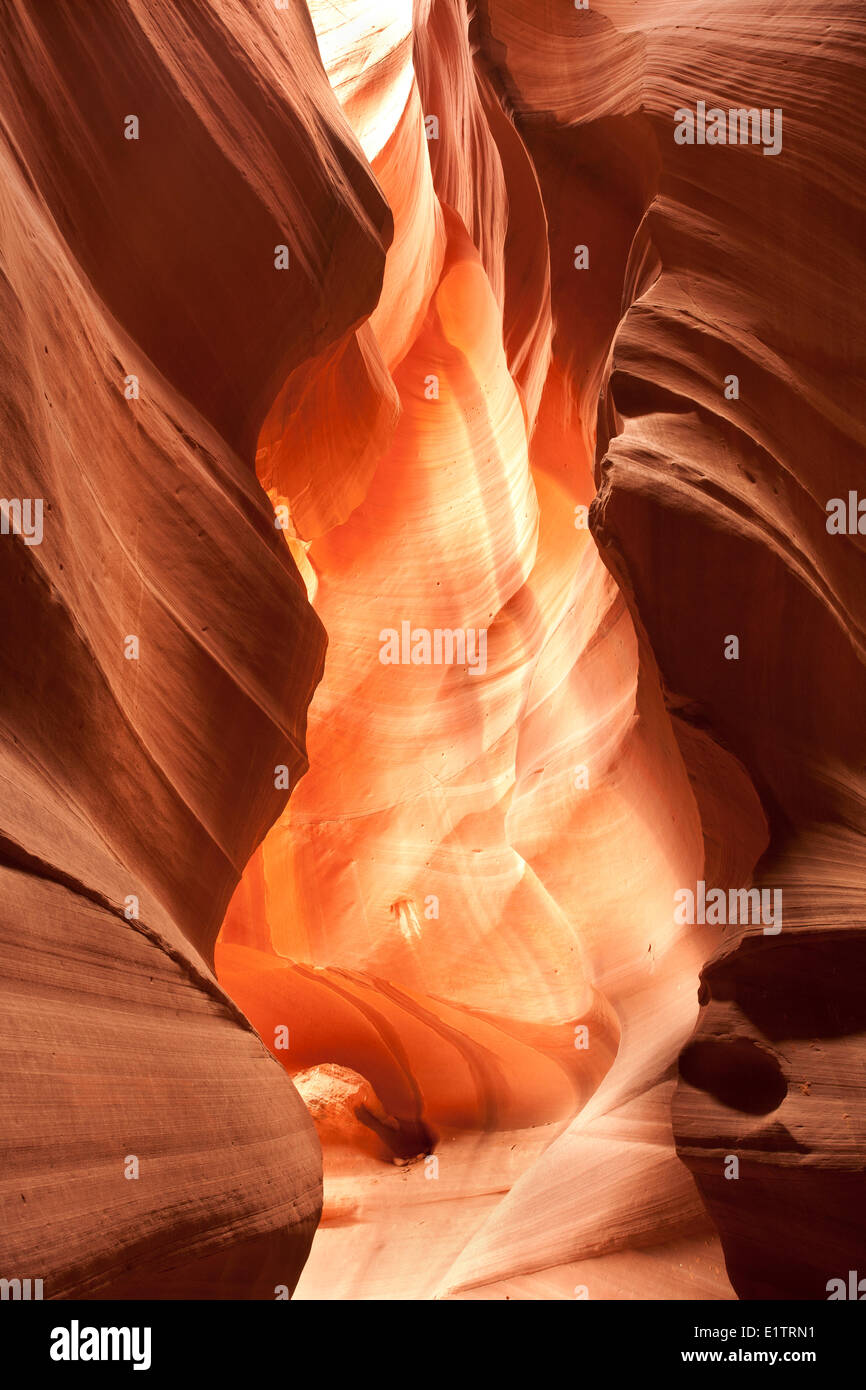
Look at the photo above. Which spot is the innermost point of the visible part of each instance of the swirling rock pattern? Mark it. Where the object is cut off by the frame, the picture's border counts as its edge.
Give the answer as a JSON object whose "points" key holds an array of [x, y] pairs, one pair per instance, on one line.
{"points": [[484, 388], [146, 331], [510, 799], [711, 515]]}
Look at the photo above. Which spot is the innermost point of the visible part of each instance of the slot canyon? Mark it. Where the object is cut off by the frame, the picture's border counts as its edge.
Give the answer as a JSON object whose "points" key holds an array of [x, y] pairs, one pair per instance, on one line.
{"points": [[434, 580]]}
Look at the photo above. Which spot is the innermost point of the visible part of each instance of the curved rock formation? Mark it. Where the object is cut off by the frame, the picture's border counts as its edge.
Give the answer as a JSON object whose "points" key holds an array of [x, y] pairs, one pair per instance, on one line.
{"points": [[465, 901], [712, 516], [446, 334], [159, 648]]}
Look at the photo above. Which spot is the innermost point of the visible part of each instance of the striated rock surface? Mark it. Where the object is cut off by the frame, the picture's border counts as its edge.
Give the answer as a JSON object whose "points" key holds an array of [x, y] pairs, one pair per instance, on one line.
{"points": [[159, 650], [712, 517], [537, 425], [466, 901]]}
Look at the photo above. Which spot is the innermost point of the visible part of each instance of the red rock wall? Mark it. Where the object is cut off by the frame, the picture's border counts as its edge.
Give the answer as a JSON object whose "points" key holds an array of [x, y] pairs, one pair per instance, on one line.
{"points": [[711, 515], [153, 777], [457, 937]]}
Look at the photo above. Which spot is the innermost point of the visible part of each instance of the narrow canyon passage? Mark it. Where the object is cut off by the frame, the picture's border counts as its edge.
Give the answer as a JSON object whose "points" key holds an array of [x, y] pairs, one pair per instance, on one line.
{"points": [[434, 651], [462, 920]]}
